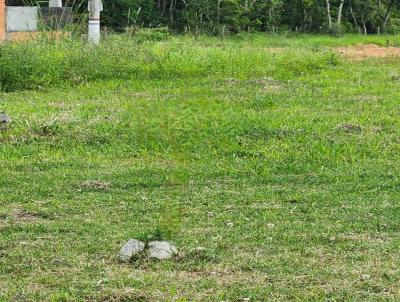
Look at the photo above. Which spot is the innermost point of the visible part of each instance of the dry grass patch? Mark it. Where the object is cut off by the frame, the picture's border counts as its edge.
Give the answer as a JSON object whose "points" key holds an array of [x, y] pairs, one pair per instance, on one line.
{"points": [[349, 128], [122, 295], [265, 84], [95, 185], [18, 216]]}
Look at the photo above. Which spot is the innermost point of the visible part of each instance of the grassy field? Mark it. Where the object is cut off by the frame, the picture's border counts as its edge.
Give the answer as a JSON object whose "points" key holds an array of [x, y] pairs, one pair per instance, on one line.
{"points": [[271, 162]]}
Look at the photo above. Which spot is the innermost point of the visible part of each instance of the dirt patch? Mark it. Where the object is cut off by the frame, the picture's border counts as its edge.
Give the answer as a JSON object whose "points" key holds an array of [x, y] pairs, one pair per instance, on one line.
{"points": [[95, 185], [121, 295], [349, 128], [24, 216], [18, 216], [368, 51]]}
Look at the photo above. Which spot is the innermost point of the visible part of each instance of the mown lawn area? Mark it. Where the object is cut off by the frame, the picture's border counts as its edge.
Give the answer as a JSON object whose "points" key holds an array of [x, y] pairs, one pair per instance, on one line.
{"points": [[272, 162]]}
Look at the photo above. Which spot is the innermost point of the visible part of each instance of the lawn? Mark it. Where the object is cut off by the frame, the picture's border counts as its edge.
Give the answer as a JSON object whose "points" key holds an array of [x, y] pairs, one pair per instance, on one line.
{"points": [[271, 162]]}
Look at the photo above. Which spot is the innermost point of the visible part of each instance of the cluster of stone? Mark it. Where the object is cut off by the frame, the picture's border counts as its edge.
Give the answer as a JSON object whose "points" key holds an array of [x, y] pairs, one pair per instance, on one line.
{"points": [[160, 250]]}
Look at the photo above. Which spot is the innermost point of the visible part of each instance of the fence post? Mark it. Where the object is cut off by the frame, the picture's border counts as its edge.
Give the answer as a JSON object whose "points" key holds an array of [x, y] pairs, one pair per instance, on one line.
{"points": [[55, 3], [2, 20], [95, 7]]}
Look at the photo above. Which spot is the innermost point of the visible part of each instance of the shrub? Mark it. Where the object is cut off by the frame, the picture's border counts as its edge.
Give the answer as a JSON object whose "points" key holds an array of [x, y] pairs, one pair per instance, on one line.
{"points": [[152, 34]]}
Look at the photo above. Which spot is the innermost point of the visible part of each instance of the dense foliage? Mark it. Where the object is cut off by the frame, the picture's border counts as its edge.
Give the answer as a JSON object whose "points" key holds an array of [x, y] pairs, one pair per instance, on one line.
{"points": [[220, 16]]}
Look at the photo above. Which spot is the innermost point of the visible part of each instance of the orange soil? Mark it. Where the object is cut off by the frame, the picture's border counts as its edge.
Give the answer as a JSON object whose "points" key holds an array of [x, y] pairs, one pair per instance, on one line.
{"points": [[368, 51]]}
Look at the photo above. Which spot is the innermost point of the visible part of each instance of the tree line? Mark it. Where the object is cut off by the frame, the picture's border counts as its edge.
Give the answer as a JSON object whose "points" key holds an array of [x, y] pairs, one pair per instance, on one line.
{"points": [[218, 16], [222, 16]]}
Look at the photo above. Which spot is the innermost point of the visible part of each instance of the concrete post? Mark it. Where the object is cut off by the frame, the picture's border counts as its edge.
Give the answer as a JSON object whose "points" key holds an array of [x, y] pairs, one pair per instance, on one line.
{"points": [[2, 20], [55, 3], [95, 7]]}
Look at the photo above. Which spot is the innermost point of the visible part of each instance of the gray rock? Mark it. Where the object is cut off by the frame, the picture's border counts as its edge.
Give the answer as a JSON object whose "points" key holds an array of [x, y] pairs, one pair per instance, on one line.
{"points": [[130, 249], [4, 118], [161, 250]]}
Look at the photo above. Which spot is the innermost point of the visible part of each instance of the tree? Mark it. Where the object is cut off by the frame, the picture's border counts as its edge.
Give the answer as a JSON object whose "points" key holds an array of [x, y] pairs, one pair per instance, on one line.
{"points": [[328, 12], [219, 16]]}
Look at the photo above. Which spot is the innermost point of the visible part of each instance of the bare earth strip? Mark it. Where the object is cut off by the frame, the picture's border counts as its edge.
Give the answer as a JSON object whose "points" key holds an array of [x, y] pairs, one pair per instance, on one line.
{"points": [[368, 51]]}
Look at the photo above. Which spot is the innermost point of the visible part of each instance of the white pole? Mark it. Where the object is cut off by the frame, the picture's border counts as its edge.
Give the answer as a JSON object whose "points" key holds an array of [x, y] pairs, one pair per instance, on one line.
{"points": [[94, 31], [55, 3], [95, 7]]}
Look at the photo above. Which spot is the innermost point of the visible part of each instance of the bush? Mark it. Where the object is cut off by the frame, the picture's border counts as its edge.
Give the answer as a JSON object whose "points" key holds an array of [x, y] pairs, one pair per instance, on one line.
{"points": [[28, 66], [151, 34], [42, 64]]}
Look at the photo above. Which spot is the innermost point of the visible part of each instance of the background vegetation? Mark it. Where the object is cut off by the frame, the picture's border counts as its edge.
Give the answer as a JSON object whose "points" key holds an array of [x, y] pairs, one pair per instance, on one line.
{"points": [[222, 16]]}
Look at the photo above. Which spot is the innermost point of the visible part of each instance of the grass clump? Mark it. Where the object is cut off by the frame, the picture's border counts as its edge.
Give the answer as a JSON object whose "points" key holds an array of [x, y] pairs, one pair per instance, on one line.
{"points": [[38, 65]]}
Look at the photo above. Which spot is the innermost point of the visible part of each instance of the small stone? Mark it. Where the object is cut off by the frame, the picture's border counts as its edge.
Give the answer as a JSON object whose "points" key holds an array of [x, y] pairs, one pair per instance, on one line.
{"points": [[130, 249], [4, 118], [161, 250]]}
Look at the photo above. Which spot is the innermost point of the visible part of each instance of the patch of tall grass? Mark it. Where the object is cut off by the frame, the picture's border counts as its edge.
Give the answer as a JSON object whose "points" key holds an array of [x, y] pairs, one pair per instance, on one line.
{"points": [[43, 64]]}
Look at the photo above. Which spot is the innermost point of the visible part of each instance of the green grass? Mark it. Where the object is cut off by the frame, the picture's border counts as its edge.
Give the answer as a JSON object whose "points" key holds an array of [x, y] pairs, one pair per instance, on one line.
{"points": [[282, 165]]}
